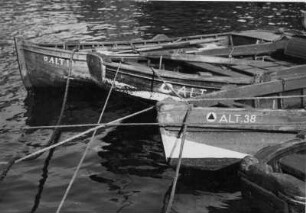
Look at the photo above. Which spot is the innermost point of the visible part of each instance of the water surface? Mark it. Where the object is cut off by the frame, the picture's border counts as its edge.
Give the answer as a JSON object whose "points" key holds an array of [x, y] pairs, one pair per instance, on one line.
{"points": [[125, 170]]}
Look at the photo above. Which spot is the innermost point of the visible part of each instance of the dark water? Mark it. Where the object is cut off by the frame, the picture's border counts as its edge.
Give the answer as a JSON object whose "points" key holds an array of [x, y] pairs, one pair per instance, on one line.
{"points": [[124, 170]]}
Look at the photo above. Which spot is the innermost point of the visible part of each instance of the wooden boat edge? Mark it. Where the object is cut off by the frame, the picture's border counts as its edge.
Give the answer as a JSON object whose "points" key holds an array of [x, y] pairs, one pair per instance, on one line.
{"points": [[19, 41]]}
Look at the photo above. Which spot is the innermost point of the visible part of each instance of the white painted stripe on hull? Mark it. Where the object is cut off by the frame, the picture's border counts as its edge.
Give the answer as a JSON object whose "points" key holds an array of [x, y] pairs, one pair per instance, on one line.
{"points": [[196, 150], [153, 95], [131, 90]]}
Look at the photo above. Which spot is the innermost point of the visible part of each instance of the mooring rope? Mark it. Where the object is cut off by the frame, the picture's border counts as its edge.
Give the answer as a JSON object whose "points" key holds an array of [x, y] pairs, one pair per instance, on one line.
{"points": [[177, 171], [88, 145], [42, 181], [82, 134], [8, 166], [55, 134]]}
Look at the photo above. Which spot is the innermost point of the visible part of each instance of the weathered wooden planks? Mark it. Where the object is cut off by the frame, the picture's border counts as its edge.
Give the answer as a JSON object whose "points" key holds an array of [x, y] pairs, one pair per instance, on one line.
{"points": [[296, 47], [173, 45], [244, 50], [260, 89], [298, 70], [215, 69], [236, 118], [217, 136], [208, 59], [134, 79]]}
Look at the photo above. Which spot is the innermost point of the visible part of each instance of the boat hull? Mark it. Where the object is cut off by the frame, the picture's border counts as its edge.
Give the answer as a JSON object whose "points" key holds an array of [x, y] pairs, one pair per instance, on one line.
{"points": [[155, 84], [49, 67], [217, 138]]}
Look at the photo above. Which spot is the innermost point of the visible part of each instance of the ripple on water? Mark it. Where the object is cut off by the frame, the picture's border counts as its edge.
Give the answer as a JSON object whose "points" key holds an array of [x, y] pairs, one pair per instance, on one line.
{"points": [[125, 170]]}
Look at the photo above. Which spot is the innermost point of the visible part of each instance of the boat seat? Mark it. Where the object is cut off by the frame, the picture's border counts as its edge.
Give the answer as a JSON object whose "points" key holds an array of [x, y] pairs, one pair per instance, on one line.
{"points": [[252, 70], [296, 47]]}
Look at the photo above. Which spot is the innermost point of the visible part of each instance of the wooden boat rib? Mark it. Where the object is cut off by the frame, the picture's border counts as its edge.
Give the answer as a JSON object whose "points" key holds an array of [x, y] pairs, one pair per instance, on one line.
{"points": [[46, 65]]}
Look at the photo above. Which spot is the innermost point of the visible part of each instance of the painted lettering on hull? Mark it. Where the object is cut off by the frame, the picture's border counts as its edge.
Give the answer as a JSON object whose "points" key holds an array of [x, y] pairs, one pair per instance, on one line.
{"points": [[233, 118], [54, 60], [185, 92]]}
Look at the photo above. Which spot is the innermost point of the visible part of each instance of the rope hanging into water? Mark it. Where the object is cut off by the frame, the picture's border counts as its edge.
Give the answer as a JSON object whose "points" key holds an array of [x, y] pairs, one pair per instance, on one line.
{"points": [[55, 137], [82, 134], [88, 145], [8, 166], [177, 171], [55, 134]]}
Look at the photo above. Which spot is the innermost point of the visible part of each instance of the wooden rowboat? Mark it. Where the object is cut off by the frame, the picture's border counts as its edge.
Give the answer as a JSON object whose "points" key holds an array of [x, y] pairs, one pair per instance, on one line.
{"points": [[141, 77], [288, 83], [196, 73], [273, 180], [47, 65], [255, 116], [219, 137]]}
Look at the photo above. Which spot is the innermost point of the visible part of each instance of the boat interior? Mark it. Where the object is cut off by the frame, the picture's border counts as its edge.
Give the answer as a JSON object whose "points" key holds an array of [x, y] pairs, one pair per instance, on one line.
{"points": [[234, 57]]}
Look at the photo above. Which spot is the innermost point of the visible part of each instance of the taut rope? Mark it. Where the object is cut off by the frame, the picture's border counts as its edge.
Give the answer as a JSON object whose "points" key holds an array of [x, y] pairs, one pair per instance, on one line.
{"points": [[177, 171], [88, 145], [82, 134]]}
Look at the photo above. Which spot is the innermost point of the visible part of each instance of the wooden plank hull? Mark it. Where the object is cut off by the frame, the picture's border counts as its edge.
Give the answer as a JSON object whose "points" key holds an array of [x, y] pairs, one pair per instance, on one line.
{"points": [[219, 137], [293, 85], [198, 76], [47, 65], [141, 81]]}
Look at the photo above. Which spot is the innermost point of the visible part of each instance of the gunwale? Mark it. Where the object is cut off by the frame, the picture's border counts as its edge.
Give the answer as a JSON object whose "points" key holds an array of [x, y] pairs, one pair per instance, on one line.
{"points": [[64, 51]]}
